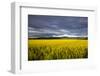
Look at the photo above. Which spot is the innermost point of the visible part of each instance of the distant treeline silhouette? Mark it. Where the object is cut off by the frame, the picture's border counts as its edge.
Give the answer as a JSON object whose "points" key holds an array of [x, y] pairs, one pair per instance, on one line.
{"points": [[83, 38]]}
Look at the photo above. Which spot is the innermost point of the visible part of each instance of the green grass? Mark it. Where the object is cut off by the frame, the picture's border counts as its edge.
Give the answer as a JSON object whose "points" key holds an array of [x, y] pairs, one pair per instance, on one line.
{"points": [[41, 49]]}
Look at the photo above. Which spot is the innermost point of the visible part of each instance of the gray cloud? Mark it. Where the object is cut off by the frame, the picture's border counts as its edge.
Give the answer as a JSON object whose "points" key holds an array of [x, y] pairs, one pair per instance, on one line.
{"points": [[39, 25]]}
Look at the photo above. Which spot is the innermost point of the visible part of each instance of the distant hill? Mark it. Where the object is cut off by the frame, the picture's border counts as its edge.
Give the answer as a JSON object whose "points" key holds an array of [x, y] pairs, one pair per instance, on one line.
{"points": [[83, 38]]}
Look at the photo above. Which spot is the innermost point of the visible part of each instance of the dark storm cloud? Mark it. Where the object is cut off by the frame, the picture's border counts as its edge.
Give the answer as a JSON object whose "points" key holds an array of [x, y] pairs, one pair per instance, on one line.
{"points": [[39, 25]]}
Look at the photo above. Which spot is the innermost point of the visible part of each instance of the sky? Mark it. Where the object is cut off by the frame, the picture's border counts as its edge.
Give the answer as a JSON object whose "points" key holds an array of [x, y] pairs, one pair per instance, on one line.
{"points": [[57, 26]]}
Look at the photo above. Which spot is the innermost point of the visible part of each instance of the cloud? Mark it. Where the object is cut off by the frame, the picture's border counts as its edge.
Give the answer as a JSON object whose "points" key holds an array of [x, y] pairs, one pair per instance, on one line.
{"points": [[39, 25]]}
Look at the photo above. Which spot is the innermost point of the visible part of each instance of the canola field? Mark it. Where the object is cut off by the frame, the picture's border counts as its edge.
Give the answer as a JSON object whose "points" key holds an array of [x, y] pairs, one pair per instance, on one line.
{"points": [[52, 49]]}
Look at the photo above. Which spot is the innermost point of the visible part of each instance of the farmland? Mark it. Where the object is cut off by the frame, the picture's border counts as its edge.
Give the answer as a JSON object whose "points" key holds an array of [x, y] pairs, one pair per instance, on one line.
{"points": [[51, 49]]}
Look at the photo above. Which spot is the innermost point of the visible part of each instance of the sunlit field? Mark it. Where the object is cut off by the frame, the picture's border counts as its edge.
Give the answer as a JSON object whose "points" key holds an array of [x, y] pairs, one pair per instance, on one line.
{"points": [[51, 49]]}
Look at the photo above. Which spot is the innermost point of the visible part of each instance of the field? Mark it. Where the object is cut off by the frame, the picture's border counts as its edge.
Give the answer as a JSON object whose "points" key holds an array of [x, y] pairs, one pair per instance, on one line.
{"points": [[51, 49]]}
